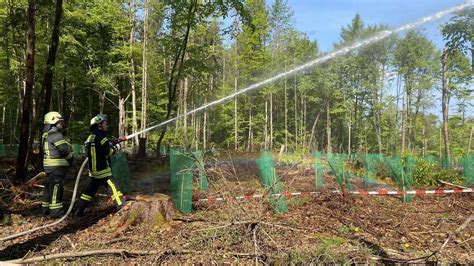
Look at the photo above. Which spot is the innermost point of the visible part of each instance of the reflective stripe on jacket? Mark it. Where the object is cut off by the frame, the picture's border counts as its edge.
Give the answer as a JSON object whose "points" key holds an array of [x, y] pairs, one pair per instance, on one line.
{"points": [[98, 151], [56, 150]]}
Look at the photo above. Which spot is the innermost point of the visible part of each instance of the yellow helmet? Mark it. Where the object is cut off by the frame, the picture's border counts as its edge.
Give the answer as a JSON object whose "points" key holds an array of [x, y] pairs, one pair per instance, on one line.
{"points": [[52, 118], [98, 119]]}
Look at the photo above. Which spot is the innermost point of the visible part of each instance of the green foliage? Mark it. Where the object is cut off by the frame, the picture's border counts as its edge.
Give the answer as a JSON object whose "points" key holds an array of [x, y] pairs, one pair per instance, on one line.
{"points": [[346, 96], [427, 173]]}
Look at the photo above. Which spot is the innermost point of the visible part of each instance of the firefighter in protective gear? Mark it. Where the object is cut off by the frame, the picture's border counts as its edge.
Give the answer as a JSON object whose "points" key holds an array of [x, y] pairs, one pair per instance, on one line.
{"points": [[57, 157], [98, 149]]}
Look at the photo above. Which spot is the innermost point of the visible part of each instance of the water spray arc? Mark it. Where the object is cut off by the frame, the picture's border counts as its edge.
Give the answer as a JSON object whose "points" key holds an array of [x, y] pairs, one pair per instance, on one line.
{"points": [[378, 37]]}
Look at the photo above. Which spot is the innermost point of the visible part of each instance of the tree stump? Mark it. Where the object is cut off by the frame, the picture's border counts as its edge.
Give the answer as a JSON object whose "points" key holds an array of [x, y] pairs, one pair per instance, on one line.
{"points": [[153, 212]]}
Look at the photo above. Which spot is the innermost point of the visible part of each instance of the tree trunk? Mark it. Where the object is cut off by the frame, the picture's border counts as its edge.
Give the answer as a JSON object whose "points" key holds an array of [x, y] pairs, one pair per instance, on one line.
{"points": [[378, 111], [236, 117], [286, 115], [132, 74], [468, 146], [349, 130], [44, 100], [440, 153], [303, 120], [250, 137], [21, 162], [143, 120], [328, 127], [122, 117], [101, 102], [271, 120], [185, 110], [444, 104], [265, 141], [313, 128], [404, 123], [296, 110], [425, 142]]}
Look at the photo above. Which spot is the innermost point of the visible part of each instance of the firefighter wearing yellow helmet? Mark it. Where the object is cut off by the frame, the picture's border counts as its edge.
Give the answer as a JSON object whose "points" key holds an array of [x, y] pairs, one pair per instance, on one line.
{"points": [[57, 157], [99, 148]]}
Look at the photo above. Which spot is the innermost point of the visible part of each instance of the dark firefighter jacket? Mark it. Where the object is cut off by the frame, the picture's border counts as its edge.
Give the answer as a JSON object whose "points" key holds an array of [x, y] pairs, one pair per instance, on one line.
{"points": [[98, 150], [56, 151]]}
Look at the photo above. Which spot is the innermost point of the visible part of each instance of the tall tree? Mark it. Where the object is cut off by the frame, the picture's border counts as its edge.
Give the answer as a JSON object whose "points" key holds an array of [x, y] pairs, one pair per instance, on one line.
{"points": [[44, 100], [414, 56], [143, 120], [459, 33], [21, 161]]}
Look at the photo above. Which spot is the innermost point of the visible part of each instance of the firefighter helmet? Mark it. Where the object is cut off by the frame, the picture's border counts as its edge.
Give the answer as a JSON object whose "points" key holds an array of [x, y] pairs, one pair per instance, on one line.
{"points": [[98, 119], [52, 118]]}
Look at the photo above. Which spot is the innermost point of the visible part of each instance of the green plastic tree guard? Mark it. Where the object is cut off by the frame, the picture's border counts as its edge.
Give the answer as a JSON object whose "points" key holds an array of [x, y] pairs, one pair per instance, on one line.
{"points": [[203, 183], [121, 172], [272, 182], [181, 171]]}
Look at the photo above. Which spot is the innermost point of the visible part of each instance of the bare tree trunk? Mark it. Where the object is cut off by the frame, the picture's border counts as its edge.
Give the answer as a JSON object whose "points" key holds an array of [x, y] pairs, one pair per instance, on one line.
{"points": [[185, 110], [328, 127], [425, 142], [204, 126], [132, 74], [236, 117], [143, 120], [440, 154], [349, 130], [22, 158], [286, 115], [265, 141], [303, 122], [122, 116], [397, 116], [468, 146], [378, 111], [101, 102], [313, 128], [271, 120], [444, 104], [404, 123], [296, 110], [179, 108], [250, 137]]}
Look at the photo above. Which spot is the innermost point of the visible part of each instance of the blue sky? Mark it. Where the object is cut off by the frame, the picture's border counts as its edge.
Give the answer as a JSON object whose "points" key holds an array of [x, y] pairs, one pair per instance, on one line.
{"points": [[322, 19]]}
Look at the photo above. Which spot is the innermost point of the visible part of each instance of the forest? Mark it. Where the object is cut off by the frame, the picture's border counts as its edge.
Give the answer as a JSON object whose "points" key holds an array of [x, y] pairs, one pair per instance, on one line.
{"points": [[144, 62]]}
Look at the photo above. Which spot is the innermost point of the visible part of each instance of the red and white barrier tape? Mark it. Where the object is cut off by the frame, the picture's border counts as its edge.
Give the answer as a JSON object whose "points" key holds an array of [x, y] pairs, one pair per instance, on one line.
{"points": [[377, 192]]}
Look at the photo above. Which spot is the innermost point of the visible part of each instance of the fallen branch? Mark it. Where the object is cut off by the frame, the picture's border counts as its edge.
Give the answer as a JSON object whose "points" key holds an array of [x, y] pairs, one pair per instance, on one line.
{"points": [[95, 252], [121, 252], [450, 184]]}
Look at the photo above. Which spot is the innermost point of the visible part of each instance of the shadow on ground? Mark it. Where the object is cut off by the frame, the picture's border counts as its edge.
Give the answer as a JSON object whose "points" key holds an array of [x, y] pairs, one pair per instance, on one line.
{"points": [[41, 242]]}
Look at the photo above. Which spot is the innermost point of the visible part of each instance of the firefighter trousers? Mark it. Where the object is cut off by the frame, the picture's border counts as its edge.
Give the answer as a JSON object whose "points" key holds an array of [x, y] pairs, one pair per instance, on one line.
{"points": [[92, 188], [53, 194]]}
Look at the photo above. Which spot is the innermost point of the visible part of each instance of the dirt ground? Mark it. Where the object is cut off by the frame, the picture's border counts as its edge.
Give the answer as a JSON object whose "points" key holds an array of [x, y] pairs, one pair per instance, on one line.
{"points": [[328, 228]]}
